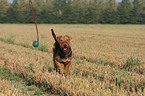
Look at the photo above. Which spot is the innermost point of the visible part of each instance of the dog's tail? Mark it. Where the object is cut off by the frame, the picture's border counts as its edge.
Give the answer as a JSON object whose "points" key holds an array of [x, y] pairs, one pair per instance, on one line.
{"points": [[54, 36]]}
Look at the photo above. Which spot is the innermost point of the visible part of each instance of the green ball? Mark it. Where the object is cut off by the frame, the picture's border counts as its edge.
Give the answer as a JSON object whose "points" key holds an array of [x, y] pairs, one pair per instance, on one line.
{"points": [[35, 43]]}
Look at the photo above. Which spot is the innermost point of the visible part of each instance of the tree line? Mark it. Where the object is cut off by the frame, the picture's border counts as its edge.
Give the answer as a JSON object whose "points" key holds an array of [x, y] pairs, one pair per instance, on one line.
{"points": [[74, 11]]}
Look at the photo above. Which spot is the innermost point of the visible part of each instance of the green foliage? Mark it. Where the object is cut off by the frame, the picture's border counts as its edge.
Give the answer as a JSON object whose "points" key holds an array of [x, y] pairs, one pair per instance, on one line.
{"points": [[3, 10], [30, 79], [76, 11], [11, 39], [132, 64], [30, 89], [38, 92], [12, 14], [43, 48], [30, 67], [4, 74]]}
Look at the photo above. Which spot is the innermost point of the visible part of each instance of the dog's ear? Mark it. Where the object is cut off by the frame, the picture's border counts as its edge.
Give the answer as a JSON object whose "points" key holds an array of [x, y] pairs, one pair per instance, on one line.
{"points": [[58, 38], [68, 37]]}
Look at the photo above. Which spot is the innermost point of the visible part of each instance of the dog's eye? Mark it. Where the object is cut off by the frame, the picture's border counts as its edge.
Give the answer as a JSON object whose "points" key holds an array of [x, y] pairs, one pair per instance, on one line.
{"points": [[60, 40], [66, 39]]}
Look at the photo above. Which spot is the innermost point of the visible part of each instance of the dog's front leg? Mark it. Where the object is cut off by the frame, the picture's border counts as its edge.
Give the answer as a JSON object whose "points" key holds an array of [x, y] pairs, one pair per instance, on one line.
{"points": [[58, 67]]}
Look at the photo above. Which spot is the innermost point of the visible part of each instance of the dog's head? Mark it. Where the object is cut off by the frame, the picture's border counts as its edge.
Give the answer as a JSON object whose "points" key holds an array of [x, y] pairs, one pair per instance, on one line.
{"points": [[64, 42]]}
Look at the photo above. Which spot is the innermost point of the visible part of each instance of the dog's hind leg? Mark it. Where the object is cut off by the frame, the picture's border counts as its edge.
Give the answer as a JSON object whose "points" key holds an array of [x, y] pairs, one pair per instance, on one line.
{"points": [[55, 67], [66, 67]]}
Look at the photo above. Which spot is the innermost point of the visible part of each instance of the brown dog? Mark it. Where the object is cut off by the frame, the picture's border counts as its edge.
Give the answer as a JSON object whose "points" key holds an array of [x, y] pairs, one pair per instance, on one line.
{"points": [[62, 53]]}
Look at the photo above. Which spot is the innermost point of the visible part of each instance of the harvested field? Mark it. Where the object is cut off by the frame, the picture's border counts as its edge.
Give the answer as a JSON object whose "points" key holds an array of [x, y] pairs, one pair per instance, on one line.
{"points": [[108, 59]]}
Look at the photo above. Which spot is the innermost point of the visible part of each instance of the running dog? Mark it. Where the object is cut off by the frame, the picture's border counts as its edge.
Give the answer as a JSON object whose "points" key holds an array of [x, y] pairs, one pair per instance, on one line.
{"points": [[62, 53]]}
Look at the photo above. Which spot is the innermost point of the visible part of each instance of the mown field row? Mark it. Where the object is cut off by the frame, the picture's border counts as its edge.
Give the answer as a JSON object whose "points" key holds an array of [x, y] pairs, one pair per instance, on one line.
{"points": [[7, 88], [12, 85], [87, 78]]}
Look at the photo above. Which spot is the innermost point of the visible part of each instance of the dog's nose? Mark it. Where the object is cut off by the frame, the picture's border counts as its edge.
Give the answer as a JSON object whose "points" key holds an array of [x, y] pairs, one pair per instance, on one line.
{"points": [[65, 45]]}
